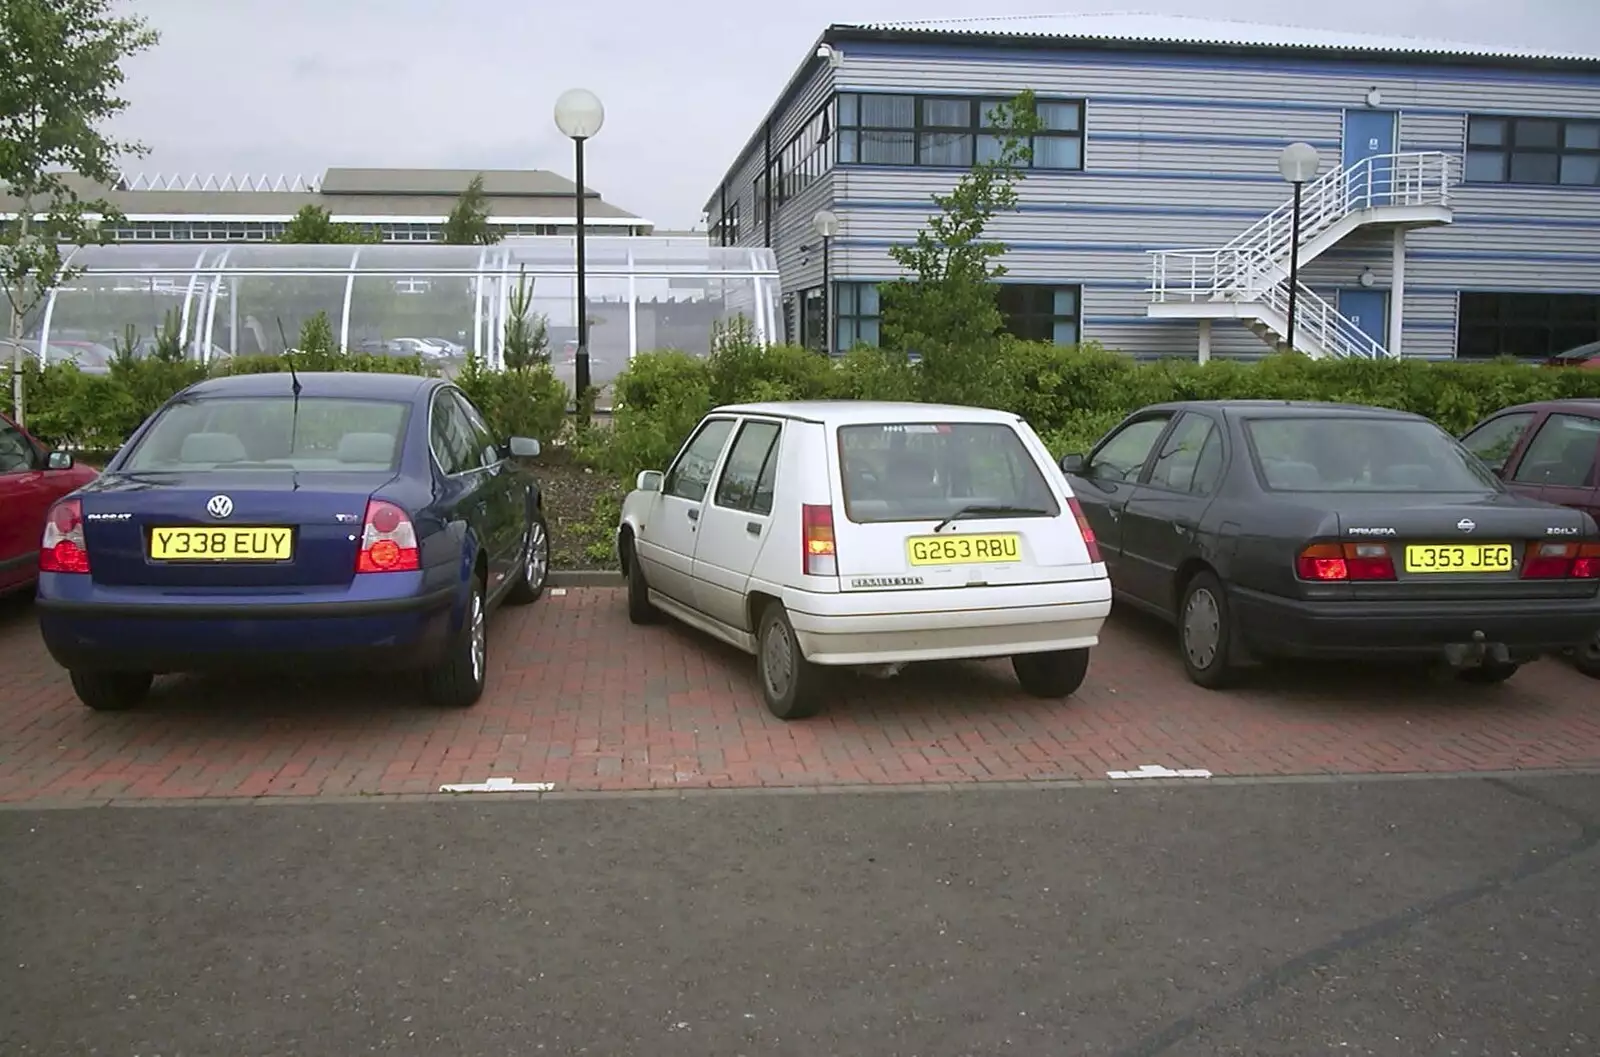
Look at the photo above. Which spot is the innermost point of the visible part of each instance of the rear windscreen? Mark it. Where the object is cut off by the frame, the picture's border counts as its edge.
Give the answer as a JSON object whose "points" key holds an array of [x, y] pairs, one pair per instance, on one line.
{"points": [[1359, 454], [915, 471], [272, 433]]}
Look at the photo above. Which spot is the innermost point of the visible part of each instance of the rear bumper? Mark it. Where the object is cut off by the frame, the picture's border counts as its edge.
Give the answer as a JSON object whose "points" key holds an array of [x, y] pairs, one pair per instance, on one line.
{"points": [[893, 627], [1284, 627], [204, 635]]}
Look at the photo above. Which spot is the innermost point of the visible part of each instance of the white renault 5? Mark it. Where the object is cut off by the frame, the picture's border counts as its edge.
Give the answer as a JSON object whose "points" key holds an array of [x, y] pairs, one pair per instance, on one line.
{"points": [[854, 533]]}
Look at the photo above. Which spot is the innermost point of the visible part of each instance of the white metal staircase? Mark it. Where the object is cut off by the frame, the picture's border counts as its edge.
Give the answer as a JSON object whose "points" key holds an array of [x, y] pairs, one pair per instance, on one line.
{"points": [[1247, 279]]}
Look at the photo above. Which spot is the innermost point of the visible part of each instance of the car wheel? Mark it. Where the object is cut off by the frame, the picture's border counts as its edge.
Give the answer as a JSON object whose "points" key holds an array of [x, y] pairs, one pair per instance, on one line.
{"points": [[535, 571], [1205, 632], [458, 680], [1489, 673], [790, 684], [111, 691], [1587, 658], [640, 609], [1058, 673]]}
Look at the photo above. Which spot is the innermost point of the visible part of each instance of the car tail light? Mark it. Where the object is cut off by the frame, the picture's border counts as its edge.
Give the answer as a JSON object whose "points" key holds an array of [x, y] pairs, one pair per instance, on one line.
{"points": [[388, 540], [818, 554], [1345, 562], [1561, 561], [62, 550], [1085, 530]]}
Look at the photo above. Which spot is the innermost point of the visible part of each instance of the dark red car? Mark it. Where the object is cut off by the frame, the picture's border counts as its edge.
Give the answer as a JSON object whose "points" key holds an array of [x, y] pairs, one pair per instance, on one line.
{"points": [[1549, 451], [1585, 356], [32, 477]]}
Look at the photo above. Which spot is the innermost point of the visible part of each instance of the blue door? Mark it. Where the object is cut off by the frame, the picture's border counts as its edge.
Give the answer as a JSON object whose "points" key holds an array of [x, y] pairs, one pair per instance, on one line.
{"points": [[1369, 311], [1368, 133]]}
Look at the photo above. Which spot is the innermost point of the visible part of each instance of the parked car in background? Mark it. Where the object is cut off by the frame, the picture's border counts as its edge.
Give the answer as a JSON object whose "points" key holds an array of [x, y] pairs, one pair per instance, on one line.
{"points": [[32, 478], [1586, 356], [1548, 451], [86, 356], [857, 533], [1276, 529], [277, 521]]}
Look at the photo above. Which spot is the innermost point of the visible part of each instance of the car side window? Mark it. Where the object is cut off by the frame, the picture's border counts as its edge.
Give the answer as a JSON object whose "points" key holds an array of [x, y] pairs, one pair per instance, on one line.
{"points": [[1208, 474], [17, 455], [690, 476], [739, 487], [483, 442], [1123, 456], [1494, 441], [450, 436], [1179, 457], [1562, 453]]}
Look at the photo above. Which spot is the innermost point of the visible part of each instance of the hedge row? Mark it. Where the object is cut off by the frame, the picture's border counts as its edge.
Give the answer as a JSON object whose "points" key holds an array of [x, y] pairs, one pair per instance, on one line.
{"points": [[1071, 396], [97, 412]]}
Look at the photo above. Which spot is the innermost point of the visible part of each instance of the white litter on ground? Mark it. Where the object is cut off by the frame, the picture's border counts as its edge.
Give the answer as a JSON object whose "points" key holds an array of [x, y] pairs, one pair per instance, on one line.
{"points": [[499, 785], [1155, 770], [558, 592]]}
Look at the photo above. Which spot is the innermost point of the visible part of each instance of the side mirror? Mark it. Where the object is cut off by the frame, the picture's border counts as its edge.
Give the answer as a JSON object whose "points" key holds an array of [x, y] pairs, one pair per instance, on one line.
{"points": [[59, 460], [1073, 463], [648, 481], [524, 447]]}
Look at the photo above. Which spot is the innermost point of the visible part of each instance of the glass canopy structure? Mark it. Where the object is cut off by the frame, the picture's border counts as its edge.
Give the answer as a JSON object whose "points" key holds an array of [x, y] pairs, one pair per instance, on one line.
{"points": [[642, 294]]}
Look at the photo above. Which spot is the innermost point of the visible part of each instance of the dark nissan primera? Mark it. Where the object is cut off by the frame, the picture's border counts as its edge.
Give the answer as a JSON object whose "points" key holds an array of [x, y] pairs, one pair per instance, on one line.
{"points": [[1282, 529]]}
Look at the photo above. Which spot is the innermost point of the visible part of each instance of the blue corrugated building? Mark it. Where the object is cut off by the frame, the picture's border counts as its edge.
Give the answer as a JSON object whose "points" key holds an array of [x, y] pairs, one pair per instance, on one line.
{"points": [[1455, 213]]}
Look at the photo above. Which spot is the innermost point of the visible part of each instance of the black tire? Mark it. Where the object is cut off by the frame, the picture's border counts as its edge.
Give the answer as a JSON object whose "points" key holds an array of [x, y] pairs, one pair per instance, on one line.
{"points": [[792, 690], [1058, 673], [535, 570], [1586, 658], [640, 609], [1489, 674], [1205, 632], [457, 681], [111, 691]]}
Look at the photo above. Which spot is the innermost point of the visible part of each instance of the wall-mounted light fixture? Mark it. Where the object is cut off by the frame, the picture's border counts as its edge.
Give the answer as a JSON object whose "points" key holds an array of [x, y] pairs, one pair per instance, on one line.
{"points": [[1374, 97], [1368, 279], [834, 56]]}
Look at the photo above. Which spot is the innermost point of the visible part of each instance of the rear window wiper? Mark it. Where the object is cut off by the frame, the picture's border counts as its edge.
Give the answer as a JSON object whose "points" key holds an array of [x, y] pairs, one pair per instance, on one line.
{"points": [[992, 508]]}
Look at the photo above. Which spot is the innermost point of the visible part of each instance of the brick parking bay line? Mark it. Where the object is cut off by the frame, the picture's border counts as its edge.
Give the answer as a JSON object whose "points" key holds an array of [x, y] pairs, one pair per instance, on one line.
{"points": [[580, 697]]}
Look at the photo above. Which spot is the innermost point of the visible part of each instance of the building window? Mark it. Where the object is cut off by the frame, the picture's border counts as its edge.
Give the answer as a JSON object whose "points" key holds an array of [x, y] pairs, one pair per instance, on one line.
{"points": [[758, 194], [813, 330], [950, 131], [725, 232], [857, 316], [1038, 312], [804, 158], [1530, 326], [1533, 150]]}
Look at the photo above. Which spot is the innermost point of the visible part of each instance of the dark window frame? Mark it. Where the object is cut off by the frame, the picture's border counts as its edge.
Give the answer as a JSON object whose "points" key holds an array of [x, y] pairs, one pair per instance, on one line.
{"points": [[979, 126], [1514, 130], [1493, 323], [847, 314], [1017, 320], [805, 157]]}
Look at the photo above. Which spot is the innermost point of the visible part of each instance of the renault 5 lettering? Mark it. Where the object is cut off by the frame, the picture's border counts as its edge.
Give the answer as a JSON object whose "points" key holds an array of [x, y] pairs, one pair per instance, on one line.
{"points": [[852, 533]]}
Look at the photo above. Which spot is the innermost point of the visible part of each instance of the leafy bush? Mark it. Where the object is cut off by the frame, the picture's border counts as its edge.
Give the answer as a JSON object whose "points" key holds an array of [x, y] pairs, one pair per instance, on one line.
{"points": [[517, 402]]}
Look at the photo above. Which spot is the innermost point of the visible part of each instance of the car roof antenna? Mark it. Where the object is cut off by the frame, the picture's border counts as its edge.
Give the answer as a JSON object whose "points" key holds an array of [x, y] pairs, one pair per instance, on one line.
{"points": [[288, 357]]}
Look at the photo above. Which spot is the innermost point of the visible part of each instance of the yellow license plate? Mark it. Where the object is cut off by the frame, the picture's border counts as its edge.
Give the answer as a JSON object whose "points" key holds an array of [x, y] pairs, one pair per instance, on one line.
{"points": [[260, 544], [965, 549], [1459, 558]]}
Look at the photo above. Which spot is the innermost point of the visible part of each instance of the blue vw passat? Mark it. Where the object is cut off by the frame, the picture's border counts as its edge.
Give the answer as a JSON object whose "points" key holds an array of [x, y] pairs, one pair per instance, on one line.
{"points": [[274, 521]]}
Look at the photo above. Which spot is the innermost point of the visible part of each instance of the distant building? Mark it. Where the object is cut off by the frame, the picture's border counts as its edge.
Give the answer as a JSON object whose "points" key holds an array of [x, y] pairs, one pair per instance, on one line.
{"points": [[1455, 212], [405, 205]]}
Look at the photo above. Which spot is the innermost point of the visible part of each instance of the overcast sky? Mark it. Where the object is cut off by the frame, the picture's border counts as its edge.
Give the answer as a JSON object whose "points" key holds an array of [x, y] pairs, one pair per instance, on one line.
{"points": [[297, 86]]}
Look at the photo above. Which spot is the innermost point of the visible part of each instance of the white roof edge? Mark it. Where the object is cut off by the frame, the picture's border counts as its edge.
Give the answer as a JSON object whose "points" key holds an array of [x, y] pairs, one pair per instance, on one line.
{"points": [[376, 218], [1144, 27]]}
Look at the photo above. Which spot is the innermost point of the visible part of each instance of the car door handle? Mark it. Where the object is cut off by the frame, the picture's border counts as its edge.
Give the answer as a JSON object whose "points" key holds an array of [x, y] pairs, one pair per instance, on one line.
{"points": [[694, 514], [753, 527]]}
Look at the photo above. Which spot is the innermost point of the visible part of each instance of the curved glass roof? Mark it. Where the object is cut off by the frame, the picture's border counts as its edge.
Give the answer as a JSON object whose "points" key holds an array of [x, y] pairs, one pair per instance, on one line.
{"points": [[240, 299]]}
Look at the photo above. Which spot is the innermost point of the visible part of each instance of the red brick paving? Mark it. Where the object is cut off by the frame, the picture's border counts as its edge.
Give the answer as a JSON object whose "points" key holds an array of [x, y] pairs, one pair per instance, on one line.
{"points": [[580, 698]]}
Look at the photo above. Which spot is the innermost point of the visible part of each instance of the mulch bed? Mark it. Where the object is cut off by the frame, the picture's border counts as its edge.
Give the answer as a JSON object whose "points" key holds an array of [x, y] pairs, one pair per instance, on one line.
{"points": [[580, 507]]}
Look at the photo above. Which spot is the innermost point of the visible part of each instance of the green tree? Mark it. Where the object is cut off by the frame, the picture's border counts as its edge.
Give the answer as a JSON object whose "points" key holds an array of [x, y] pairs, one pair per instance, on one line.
{"points": [[526, 338], [314, 224], [60, 71], [946, 308], [468, 223]]}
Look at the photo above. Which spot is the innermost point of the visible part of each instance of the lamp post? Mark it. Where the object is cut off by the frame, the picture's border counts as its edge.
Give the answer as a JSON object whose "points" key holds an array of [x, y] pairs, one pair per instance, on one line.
{"points": [[826, 225], [1298, 163], [579, 115]]}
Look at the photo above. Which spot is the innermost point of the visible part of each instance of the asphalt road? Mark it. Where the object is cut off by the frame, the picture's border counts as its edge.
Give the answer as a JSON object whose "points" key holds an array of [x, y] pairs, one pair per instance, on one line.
{"points": [[1405, 918]]}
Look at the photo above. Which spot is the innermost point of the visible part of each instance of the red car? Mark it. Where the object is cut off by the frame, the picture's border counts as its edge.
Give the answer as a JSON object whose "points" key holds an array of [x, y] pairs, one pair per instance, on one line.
{"points": [[32, 477], [1549, 451], [1584, 356]]}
